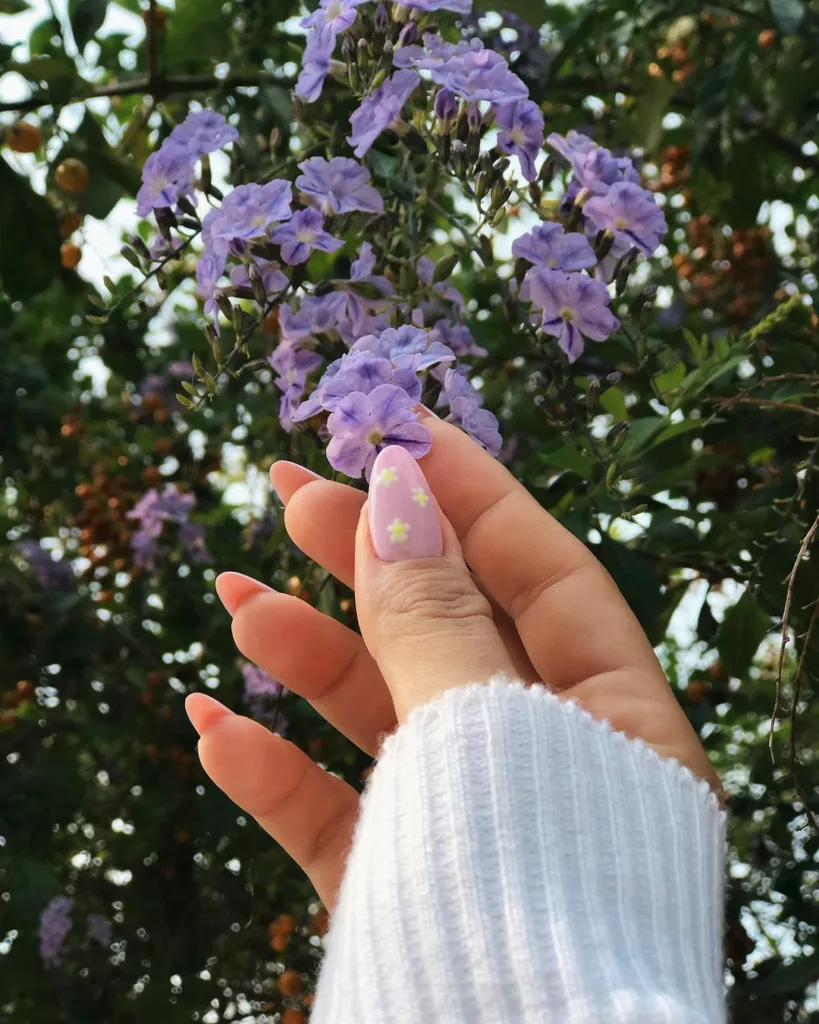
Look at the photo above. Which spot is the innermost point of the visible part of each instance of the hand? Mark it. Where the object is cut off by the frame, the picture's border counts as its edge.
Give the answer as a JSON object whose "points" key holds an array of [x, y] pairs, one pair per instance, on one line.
{"points": [[536, 606]]}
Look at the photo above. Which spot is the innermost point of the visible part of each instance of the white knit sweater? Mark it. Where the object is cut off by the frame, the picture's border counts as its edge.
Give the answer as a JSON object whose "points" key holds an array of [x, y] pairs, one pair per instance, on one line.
{"points": [[517, 861]]}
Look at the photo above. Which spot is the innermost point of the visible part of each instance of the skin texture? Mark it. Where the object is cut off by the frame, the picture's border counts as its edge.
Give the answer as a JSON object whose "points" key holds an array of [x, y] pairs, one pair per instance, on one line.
{"points": [[534, 603]]}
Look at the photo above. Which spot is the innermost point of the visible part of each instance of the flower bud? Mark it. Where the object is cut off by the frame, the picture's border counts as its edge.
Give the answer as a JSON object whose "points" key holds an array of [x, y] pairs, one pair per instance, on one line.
{"points": [[444, 267], [617, 435], [446, 106], [474, 118], [408, 35], [382, 18], [222, 302], [348, 47], [603, 243], [238, 247]]}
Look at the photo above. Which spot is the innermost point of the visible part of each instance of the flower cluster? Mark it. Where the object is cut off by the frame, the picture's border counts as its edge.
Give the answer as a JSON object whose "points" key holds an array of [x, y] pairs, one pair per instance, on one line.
{"points": [[153, 510], [168, 174], [357, 353], [606, 201], [55, 924], [262, 695], [48, 571]]}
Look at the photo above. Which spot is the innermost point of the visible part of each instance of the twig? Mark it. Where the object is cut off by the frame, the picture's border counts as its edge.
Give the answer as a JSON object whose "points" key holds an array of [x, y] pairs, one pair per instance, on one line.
{"points": [[791, 578], [765, 403], [797, 680], [167, 86]]}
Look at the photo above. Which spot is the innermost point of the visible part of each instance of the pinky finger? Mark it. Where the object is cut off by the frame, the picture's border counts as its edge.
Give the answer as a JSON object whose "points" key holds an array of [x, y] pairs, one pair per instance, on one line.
{"points": [[305, 809]]}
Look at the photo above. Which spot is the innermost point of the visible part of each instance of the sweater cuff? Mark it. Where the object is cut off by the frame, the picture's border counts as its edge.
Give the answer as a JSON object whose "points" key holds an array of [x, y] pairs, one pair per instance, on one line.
{"points": [[517, 860]]}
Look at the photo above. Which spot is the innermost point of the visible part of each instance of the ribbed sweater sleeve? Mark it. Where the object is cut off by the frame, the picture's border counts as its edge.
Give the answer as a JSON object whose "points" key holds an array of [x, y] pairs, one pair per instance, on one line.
{"points": [[517, 861]]}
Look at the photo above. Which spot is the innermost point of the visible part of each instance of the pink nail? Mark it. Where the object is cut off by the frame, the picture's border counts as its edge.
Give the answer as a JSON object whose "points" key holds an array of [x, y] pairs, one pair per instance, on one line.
{"points": [[403, 517]]}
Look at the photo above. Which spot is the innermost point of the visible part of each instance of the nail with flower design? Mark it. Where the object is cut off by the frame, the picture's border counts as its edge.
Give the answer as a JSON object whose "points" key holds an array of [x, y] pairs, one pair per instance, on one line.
{"points": [[403, 518]]}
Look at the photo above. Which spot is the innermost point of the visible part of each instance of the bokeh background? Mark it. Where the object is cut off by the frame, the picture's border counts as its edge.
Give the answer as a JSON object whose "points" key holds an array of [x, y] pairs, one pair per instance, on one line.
{"points": [[685, 456]]}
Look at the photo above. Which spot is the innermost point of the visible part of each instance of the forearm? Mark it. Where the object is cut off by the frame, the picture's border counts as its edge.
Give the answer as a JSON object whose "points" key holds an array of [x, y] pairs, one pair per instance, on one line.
{"points": [[517, 861]]}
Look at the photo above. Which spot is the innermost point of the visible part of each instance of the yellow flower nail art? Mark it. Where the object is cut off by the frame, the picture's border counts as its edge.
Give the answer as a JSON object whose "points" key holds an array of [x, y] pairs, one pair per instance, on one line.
{"points": [[387, 477], [420, 496], [398, 531]]}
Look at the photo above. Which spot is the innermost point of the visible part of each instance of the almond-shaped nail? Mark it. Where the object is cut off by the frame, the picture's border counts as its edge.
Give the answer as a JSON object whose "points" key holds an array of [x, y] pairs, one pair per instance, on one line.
{"points": [[289, 477], [204, 712], [404, 520], [234, 588]]}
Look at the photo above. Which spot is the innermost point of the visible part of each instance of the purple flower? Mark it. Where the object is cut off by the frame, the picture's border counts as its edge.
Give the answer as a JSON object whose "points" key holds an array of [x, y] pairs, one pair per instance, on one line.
{"points": [[457, 337], [434, 52], [631, 214], [381, 109], [55, 924], [358, 371], [362, 425], [459, 6], [521, 133], [262, 695], [456, 385], [166, 175], [480, 75], [272, 278], [338, 14], [203, 131], [98, 929], [48, 572], [293, 366], [597, 170], [445, 106], [573, 305], [406, 347], [572, 144], [340, 185], [316, 62], [303, 233], [153, 510], [548, 245], [249, 210], [480, 424]]}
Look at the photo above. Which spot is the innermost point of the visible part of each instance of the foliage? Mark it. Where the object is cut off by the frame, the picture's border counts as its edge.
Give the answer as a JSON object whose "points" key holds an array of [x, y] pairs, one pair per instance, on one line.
{"points": [[682, 449]]}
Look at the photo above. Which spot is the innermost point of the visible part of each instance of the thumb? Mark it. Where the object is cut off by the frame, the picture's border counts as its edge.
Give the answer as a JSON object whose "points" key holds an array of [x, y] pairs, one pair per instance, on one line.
{"points": [[423, 619]]}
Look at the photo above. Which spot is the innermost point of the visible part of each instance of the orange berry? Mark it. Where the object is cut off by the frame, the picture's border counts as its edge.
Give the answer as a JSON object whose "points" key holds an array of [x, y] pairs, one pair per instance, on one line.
{"points": [[70, 223], [292, 1016], [70, 255], [695, 691], [72, 175], [270, 325], [284, 924], [23, 137], [766, 38], [290, 983], [320, 921], [278, 943]]}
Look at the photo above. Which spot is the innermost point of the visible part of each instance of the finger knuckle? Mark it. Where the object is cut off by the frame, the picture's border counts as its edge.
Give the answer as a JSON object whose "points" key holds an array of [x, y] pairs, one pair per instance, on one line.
{"points": [[434, 597]]}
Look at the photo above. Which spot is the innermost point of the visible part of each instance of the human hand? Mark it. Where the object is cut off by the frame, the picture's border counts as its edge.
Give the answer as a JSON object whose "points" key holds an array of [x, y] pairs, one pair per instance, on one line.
{"points": [[536, 606]]}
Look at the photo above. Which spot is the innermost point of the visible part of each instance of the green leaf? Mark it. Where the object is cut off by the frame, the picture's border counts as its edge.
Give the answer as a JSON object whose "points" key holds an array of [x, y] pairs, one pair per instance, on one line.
{"points": [[791, 978], [789, 15], [614, 401], [742, 631], [671, 379], [13, 6], [30, 265], [86, 18], [637, 582]]}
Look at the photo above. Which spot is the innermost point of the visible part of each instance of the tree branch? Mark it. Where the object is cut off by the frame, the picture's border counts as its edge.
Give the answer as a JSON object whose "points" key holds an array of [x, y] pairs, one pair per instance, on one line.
{"points": [[169, 86]]}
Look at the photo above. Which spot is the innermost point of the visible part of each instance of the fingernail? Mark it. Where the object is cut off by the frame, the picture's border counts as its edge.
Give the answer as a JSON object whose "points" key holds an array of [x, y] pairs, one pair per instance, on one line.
{"points": [[234, 588], [403, 517], [424, 413], [289, 477], [203, 711]]}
